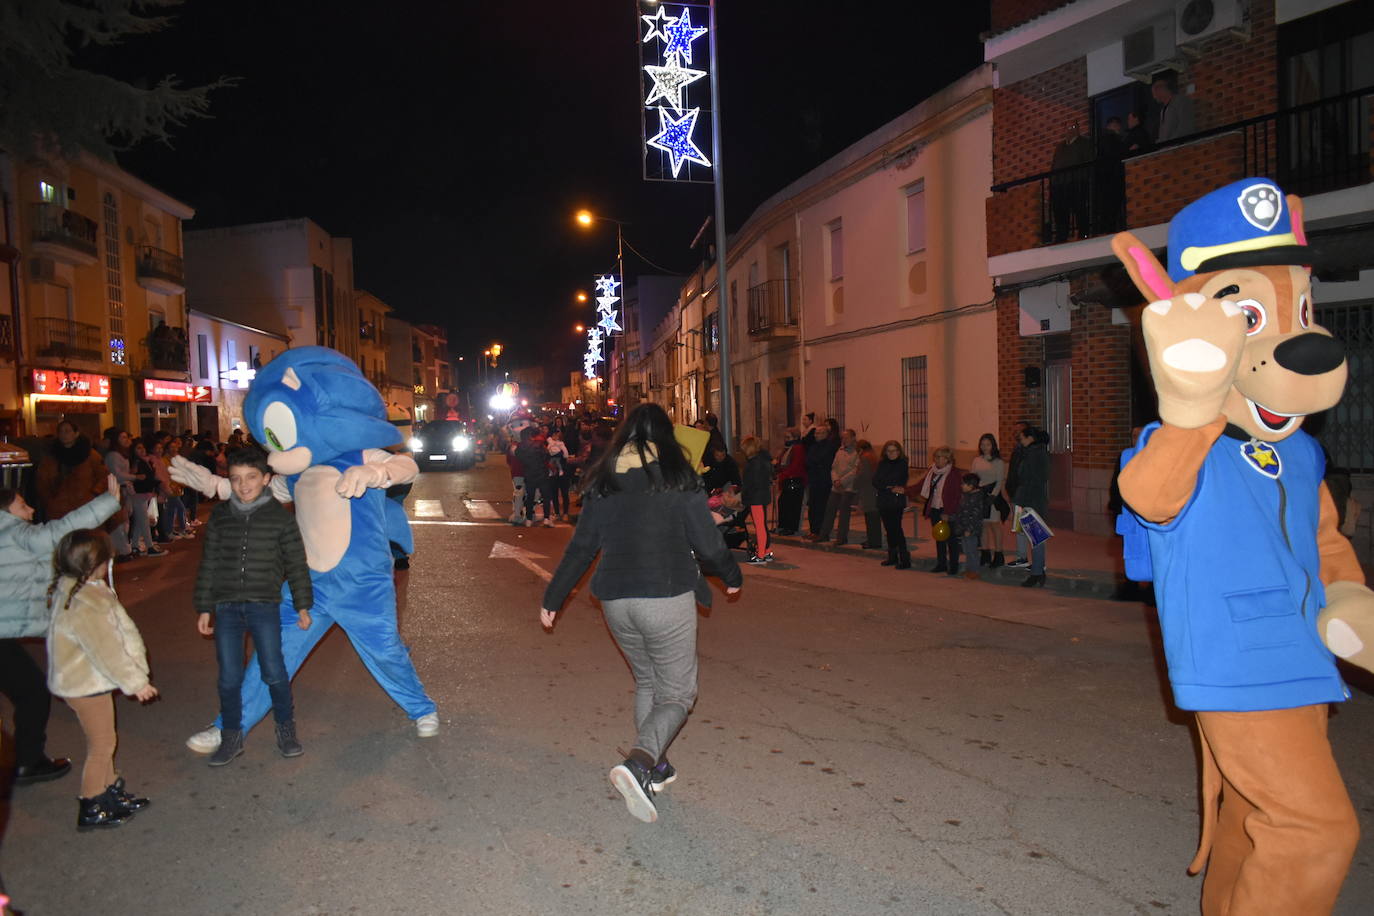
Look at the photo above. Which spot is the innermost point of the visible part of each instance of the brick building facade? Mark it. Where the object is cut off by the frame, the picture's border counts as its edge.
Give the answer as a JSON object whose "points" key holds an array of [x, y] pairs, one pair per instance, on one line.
{"points": [[1070, 355]]}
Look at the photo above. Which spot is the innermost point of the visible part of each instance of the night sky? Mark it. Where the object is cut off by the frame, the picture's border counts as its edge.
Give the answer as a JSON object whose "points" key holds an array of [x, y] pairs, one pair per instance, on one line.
{"points": [[453, 141]]}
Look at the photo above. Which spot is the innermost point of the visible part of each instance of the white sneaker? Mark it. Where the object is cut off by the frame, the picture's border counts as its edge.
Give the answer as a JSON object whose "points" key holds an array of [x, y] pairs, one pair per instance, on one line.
{"points": [[427, 726], [205, 742]]}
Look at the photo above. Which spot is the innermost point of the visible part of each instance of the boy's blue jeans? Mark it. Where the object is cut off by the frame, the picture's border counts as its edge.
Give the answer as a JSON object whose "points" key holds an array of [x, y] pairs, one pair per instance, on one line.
{"points": [[262, 621]]}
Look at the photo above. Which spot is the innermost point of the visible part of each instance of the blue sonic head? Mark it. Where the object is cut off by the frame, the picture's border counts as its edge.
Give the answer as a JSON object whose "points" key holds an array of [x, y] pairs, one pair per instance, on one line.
{"points": [[312, 404]]}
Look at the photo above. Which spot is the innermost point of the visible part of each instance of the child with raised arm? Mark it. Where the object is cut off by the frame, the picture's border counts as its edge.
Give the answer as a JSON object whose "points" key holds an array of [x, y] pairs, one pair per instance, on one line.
{"points": [[252, 546]]}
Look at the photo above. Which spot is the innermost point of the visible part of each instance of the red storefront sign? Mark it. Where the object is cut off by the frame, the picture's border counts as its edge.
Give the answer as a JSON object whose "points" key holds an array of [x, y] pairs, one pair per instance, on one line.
{"points": [[156, 389], [59, 385]]}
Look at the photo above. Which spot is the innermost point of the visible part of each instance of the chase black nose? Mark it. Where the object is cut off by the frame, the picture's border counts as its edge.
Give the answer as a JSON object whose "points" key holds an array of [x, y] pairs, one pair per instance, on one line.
{"points": [[1310, 354]]}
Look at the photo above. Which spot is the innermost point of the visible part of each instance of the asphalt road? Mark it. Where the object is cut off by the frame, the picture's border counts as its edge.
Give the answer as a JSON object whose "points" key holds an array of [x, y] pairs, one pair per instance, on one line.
{"points": [[866, 741]]}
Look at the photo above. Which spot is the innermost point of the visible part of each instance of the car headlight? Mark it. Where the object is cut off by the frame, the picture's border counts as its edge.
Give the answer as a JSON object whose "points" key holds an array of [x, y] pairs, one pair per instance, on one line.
{"points": [[416, 445], [461, 443]]}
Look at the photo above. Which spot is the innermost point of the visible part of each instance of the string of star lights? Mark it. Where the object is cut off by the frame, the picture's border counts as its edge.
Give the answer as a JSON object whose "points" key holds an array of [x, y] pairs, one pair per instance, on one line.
{"points": [[608, 321], [666, 46]]}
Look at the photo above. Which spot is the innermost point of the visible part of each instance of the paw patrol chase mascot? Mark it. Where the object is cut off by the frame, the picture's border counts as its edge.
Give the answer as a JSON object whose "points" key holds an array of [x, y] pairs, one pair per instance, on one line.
{"points": [[324, 427], [1256, 587]]}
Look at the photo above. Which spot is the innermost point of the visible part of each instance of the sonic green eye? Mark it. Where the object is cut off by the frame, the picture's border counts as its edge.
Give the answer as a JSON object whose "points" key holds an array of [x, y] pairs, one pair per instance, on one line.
{"points": [[279, 426], [273, 440]]}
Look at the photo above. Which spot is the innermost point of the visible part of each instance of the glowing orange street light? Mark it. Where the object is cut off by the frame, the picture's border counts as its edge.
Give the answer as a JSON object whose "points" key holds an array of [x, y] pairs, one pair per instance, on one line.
{"points": [[581, 296], [585, 217], [578, 328]]}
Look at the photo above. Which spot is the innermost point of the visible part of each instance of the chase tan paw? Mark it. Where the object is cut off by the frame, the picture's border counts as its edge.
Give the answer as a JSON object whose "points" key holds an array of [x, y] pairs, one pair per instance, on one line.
{"points": [[1195, 345]]}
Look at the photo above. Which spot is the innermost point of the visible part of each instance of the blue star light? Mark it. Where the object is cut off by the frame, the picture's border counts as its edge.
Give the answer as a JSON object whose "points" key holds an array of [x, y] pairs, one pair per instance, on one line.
{"points": [[675, 139], [608, 323], [657, 23], [681, 34], [606, 284]]}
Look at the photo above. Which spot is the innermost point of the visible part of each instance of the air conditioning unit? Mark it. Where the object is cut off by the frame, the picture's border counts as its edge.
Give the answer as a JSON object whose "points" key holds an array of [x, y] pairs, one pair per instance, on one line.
{"points": [[43, 269], [1148, 50], [1198, 20]]}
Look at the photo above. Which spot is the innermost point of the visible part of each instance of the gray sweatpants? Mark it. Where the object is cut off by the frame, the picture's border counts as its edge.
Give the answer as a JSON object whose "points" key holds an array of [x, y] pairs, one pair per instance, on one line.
{"points": [[659, 639]]}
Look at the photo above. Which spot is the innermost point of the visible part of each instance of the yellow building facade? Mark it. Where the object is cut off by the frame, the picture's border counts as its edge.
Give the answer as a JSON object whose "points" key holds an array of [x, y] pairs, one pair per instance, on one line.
{"points": [[100, 321]]}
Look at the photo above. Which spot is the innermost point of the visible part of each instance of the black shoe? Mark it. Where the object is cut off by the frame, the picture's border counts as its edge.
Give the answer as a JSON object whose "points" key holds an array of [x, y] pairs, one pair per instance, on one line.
{"points": [[661, 775], [985, 558], [904, 563], [42, 771], [633, 781], [125, 799], [1033, 581], [939, 567], [890, 561], [998, 559], [230, 746], [286, 740], [101, 811]]}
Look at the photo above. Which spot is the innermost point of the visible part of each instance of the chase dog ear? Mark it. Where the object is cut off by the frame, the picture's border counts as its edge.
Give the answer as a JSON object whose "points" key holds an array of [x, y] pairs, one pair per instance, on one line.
{"points": [[1140, 262], [1295, 216]]}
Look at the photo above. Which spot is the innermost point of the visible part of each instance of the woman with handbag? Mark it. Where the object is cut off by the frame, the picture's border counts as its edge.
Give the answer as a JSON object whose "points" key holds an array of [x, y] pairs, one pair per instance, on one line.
{"points": [[992, 478], [1033, 492]]}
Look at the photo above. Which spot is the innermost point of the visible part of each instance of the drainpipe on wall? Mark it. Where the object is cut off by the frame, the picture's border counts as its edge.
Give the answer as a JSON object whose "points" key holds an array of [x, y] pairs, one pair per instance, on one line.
{"points": [[14, 322], [801, 323]]}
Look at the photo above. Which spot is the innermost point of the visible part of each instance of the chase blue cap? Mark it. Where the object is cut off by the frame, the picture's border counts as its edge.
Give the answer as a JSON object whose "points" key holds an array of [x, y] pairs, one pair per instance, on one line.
{"points": [[1244, 224]]}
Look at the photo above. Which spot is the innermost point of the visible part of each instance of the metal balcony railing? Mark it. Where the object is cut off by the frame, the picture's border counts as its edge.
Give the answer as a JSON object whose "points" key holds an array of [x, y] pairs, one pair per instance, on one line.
{"points": [[1308, 149], [6, 335], [159, 264], [168, 349], [771, 306], [58, 338], [60, 226]]}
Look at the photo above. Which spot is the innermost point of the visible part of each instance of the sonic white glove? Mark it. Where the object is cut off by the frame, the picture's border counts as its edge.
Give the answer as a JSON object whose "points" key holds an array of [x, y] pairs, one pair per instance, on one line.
{"points": [[189, 474]]}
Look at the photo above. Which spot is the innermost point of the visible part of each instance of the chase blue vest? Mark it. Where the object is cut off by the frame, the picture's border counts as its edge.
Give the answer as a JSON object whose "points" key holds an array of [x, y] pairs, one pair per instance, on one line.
{"points": [[1237, 580]]}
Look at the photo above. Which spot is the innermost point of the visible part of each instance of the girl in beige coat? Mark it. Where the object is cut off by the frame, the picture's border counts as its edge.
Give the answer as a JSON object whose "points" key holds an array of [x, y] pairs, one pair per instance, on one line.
{"points": [[94, 649]]}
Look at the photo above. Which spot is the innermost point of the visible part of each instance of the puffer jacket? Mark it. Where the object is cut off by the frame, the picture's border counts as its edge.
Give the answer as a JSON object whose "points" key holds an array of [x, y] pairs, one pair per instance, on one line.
{"points": [[247, 557], [93, 646], [69, 477], [26, 564]]}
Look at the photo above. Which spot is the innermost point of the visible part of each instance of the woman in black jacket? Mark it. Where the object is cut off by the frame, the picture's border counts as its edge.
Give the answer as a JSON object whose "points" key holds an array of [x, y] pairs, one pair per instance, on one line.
{"points": [[757, 496], [820, 455], [889, 479], [644, 510], [1033, 492]]}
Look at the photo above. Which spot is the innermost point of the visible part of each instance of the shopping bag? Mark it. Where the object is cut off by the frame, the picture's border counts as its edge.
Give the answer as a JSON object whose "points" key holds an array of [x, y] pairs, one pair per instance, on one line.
{"points": [[1033, 526]]}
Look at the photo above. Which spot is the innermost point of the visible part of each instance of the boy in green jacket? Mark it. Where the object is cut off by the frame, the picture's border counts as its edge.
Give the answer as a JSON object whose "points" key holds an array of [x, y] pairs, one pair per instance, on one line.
{"points": [[252, 546]]}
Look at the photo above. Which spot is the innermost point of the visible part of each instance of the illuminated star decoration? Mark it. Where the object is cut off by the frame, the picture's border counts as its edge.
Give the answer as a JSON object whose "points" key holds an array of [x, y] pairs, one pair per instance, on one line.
{"points": [[669, 82], [608, 323], [606, 284], [680, 34], [606, 303], [675, 139], [657, 23]]}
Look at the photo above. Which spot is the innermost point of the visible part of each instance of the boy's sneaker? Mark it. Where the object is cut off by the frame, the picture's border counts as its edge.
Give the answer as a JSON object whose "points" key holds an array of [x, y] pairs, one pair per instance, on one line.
{"points": [[757, 560], [286, 740], [427, 726], [230, 746], [661, 775], [632, 780], [204, 742], [768, 557], [1019, 563]]}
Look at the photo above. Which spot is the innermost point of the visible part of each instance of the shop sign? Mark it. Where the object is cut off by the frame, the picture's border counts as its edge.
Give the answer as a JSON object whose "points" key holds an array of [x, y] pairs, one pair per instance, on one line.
{"points": [[60, 385], [156, 389]]}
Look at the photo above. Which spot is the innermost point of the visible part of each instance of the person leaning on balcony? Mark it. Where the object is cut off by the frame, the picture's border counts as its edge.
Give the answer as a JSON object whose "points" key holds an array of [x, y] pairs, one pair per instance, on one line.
{"points": [[1137, 137], [1175, 109], [70, 475], [1070, 182]]}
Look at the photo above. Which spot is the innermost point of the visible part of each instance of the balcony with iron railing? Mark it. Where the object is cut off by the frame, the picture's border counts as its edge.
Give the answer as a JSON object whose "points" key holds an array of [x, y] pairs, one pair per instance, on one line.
{"points": [[60, 339], [1307, 149], [160, 271], [168, 350], [63, 235], [772, 309]]}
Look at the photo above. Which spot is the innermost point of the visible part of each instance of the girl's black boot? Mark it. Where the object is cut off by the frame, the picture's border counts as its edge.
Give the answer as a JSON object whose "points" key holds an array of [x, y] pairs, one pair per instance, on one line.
{"points": [[101, 811]]}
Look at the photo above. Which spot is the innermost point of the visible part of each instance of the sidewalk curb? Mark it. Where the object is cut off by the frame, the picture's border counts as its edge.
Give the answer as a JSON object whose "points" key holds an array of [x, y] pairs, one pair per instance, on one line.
{"points": [[1076, 583]]}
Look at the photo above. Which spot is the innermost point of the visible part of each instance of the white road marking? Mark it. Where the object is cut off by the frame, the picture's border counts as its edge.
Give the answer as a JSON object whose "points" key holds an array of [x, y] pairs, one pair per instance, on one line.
{"points": [[480, 508], [429, 508], [502, 550]]}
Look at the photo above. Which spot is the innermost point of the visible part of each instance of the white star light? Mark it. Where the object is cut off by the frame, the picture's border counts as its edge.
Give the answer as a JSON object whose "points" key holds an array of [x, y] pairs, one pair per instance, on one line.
{"points": [[657, 23], [680, 35], [675, 139], [606, 284], [669, 82], [606, 303]]}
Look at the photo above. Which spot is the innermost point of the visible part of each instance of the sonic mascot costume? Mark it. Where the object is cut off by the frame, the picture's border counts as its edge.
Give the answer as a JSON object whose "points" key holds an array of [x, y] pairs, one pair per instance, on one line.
{"points": [[1228, 514], [324, 427]]}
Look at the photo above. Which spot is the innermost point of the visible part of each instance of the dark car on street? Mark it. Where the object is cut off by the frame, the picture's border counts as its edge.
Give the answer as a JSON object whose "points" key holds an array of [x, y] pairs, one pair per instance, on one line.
{"points": [[445, 443]]}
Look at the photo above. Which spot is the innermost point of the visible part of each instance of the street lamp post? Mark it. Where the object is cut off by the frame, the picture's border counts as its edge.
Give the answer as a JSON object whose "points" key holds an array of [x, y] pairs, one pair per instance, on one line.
{"points": [[586, 218]]}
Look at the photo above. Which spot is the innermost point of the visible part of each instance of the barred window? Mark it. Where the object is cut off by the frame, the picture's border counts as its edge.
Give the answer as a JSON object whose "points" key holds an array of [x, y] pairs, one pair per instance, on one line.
{"points": [[915, 419], [834, 394]]}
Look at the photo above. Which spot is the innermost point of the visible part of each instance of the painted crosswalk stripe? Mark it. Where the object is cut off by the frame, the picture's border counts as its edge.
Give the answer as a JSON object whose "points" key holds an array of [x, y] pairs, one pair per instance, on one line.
{"points": [[480, 508], [429, 508]]}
